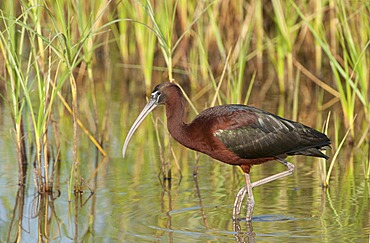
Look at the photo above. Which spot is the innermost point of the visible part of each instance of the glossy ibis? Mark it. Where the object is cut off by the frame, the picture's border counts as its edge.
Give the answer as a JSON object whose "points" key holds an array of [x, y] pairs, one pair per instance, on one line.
{"points": [[237, 135]]}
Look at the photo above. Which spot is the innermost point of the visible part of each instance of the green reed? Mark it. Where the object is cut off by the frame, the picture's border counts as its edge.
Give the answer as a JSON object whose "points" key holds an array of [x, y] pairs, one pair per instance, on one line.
{"points": [[285, 20], [312, 57], [293, 25], [79, 44], [350, 68], [25, 72], [39, 106], [278, 48], [37, 65], [15, 83]]}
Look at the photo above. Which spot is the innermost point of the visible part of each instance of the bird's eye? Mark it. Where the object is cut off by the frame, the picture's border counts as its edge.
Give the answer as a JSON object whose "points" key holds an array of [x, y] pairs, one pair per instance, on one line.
{"points": [[155, 95]]}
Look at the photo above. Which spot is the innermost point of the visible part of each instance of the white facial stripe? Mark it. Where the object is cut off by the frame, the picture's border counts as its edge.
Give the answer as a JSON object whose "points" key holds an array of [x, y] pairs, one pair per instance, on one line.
{"points": [[155, 95]]}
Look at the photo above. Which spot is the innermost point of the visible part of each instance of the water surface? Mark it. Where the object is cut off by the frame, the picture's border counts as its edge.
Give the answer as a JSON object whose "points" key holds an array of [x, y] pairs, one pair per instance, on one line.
{"points": [[129, 200]]}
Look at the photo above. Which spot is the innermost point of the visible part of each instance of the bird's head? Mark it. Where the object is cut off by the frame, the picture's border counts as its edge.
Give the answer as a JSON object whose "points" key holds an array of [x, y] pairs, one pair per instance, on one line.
{"points": [[161, 94]]}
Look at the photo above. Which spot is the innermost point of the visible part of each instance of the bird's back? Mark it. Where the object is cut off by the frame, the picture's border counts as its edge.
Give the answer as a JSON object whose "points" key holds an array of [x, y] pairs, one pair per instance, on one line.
{"points": [[251, 133]]}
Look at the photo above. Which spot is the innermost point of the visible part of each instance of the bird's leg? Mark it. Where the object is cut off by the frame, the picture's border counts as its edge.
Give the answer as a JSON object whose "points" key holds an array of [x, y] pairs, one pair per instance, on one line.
{"points": [[238, 202], [248, 189], [278, 175], [239, 199], [250, 200]]}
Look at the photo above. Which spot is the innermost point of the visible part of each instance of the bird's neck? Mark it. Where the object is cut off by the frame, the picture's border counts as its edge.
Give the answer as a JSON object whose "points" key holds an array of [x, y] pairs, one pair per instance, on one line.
{"points": [[175, 112]]}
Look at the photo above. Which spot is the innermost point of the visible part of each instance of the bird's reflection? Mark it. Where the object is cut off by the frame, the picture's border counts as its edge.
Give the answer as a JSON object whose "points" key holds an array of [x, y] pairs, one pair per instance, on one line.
{"points": [[241, 235]]}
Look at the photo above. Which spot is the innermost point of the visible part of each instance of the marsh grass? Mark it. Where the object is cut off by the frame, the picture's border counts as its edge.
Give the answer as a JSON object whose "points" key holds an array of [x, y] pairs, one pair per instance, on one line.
{"points": [[296, 26], [28, 70], [14, 88], [350, 69], [303, 57], [37, 66], [64, 62]]}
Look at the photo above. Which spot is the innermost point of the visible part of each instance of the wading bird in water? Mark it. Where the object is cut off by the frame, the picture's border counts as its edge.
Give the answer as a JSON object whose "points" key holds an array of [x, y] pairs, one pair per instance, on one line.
{"points": [[237, 135]]}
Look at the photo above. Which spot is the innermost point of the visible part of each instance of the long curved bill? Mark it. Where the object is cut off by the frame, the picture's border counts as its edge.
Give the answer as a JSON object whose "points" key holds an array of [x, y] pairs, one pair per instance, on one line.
{"points": [[147, 109]]}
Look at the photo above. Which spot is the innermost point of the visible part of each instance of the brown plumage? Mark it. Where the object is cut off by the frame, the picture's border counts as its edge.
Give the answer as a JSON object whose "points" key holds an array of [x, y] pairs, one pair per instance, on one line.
{"points": [[235, 134]]}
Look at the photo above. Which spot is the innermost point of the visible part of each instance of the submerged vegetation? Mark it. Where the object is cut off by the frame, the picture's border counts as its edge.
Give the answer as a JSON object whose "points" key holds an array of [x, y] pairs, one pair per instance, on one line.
{"points": [[306, 60]]}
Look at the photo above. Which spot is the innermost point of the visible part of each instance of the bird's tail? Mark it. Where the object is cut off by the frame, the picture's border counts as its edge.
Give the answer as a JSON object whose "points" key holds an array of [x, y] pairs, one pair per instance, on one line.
{"points": [[315, 152]]}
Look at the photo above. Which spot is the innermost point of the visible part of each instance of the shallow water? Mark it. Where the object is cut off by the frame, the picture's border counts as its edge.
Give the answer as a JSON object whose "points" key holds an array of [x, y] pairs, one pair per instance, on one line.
{"points": [[138, 209], [132, 202]]}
